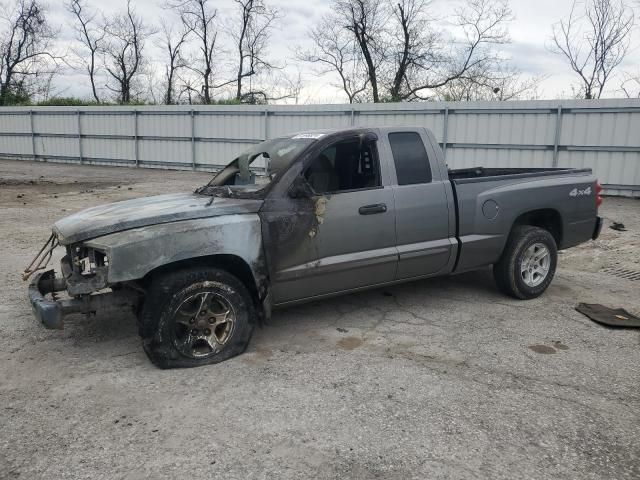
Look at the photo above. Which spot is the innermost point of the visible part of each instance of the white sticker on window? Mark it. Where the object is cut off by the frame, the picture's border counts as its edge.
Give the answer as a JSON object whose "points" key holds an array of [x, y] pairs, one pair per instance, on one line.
{"points": [[308, 135]]}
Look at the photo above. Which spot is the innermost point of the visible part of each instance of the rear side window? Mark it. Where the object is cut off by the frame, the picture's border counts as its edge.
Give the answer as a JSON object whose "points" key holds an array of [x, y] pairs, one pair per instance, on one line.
{"points": [[410, 158]]}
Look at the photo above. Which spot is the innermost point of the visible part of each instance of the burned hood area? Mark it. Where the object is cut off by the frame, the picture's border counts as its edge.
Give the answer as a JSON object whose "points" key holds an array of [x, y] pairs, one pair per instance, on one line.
{"points": [[141, 212]]}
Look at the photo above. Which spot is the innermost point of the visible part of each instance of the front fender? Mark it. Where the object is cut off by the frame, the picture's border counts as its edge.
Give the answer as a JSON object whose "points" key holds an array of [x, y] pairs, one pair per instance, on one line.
{"points": [[134, 253]]}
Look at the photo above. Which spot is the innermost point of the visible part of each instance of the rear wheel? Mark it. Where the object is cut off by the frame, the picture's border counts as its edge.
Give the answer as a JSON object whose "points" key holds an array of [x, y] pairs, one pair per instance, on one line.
{"points": [[196, 317], [528, 263]]}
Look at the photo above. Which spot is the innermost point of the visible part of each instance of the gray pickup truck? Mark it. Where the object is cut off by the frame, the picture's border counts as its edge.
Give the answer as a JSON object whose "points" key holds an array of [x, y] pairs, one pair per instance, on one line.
{"points": [[303, 217]]}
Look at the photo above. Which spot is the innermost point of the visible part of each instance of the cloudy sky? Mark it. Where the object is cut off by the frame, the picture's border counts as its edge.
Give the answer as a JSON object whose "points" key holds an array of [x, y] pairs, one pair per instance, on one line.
{"points": [[530, 32]]}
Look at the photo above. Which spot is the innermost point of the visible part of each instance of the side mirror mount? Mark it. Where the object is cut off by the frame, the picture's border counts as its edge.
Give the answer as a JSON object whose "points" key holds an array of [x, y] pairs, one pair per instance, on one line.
{"points": [[368, 137], [300, 188], [267, 163]]}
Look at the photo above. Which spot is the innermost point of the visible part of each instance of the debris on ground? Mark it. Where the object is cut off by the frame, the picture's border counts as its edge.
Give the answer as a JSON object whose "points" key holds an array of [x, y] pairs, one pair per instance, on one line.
{"points": [[613, 317], [618, 226], [559, 345]]}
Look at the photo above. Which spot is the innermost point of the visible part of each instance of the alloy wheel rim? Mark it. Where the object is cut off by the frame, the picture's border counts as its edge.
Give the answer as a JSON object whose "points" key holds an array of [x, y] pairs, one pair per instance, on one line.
{"points": [[535, 264], [203, 324]]}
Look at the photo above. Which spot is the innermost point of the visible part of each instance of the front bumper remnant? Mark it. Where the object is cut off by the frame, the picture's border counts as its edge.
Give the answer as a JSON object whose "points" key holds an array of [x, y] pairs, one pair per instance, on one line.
{"points": [[47, 312], [51, 313]]}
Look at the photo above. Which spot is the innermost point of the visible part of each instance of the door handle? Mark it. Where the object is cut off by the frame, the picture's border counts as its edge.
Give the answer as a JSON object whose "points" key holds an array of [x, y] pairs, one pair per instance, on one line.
{"points": [[372, 209]]}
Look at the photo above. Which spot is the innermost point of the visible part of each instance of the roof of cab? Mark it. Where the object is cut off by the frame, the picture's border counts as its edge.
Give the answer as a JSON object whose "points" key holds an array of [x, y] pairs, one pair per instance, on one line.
{"points": [[355, 129]]}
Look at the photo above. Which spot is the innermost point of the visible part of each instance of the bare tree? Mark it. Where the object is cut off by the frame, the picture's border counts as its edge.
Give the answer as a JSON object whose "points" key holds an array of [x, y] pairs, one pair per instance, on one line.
{"points": [[404, 55], [125, 39], [173, 44], [425, 60], [199, 17], [335, 51], [490, 84], [630, 86], [90, 36], [254, 25], [188, 91], [276, 85], [594, 39], [25, 49], [364, 19]]}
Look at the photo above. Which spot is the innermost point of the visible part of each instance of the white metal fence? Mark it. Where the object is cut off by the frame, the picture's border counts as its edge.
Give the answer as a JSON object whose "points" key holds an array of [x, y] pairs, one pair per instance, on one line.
{"points": [[603, 135]]}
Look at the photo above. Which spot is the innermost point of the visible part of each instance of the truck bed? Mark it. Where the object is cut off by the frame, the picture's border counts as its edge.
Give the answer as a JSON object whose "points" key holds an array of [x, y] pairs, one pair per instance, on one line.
{"points": [[489, 200], [482, 174]]}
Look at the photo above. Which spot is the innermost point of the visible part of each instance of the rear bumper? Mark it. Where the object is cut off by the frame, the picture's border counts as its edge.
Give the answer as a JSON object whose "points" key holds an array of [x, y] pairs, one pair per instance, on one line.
{"points": [[597, 229], [51, 313]]}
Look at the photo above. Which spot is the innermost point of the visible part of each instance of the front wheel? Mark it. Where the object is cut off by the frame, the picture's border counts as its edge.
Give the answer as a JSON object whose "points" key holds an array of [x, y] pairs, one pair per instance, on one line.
{"points": [[528, 263], [196, 317]]}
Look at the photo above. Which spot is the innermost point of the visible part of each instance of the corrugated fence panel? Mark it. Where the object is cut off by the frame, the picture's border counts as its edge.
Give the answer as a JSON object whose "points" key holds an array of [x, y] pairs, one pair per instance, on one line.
{"points": [[165, 151], [487, 157], [178, 125], [213, 155], [601, 134], [56, 124], [618, 168], [502, 128], [17, 145], [56, 146], [95, 123], [229, 126], [107, 148], [282, 124], [19, 122]]}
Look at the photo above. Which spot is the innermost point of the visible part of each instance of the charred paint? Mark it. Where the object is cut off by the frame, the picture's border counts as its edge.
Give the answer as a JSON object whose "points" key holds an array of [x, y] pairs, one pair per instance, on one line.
{"points": [[269, 228], [286, 224], [140, 212]]}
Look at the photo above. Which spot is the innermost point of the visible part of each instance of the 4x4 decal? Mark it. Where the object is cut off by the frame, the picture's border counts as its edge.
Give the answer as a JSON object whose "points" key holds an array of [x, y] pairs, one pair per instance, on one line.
{"points": [[576, 192]]}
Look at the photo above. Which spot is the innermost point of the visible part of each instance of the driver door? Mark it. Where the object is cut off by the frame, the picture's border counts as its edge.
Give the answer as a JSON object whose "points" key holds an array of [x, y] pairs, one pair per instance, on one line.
{"points": [[350, 242]]}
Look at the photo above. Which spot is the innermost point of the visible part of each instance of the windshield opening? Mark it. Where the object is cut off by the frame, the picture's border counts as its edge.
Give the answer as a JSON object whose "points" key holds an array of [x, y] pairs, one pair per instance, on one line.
{"points": [[256, 168]]}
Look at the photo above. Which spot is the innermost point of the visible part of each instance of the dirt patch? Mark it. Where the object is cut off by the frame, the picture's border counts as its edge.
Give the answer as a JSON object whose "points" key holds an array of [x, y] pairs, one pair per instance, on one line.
{"points": [[14, 181], [543, 349], [350, 343]]}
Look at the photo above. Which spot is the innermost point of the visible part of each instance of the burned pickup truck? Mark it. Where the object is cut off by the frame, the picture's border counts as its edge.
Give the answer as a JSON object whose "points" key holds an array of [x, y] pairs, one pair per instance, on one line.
{"points": [[303, 217]]}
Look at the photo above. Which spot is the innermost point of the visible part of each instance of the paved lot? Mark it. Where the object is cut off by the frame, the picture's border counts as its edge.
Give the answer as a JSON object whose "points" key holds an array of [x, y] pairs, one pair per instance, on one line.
{"points": [[435, 379]]}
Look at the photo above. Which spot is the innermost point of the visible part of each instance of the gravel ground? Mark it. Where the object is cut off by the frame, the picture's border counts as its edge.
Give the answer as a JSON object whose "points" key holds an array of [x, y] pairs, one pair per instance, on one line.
{"points": [[443, 378]]}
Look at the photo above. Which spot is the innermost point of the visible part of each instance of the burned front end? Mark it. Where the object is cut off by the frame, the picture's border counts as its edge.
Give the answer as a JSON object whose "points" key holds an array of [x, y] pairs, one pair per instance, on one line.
{"points": [[82, 287]]}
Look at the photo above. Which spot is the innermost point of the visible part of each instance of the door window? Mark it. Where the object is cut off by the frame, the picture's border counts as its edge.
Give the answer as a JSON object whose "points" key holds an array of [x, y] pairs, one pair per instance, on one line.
{"points": [[410, 158], [345, 166]]}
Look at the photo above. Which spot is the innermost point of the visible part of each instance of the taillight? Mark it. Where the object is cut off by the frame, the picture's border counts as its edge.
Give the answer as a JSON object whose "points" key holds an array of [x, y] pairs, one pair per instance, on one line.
{"points": [[598, 197]]}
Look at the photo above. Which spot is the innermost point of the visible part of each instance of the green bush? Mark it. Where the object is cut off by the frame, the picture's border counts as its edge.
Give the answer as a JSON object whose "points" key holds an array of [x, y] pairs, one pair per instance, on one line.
{"points": [[65, 102]]}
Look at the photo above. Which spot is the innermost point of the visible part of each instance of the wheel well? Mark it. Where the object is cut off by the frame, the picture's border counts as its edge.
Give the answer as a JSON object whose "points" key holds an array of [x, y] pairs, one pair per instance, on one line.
{"points": [[548, 219], [230, 263]]}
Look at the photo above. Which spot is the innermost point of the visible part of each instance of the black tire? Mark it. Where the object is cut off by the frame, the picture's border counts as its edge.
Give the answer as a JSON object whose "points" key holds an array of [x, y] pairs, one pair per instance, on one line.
{"points": [[168, 339], [507, 272]]}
